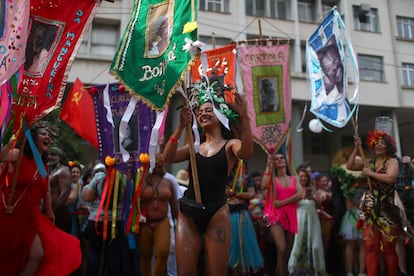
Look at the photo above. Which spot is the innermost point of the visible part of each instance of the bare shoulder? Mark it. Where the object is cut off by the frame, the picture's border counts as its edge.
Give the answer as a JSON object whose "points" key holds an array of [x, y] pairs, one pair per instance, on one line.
{"points": [[231, 143], [63, 170], [392, 162]]}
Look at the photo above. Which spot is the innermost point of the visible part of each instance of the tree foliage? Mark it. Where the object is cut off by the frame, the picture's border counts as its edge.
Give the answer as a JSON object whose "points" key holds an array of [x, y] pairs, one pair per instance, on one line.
{"points": [[73, 146]]}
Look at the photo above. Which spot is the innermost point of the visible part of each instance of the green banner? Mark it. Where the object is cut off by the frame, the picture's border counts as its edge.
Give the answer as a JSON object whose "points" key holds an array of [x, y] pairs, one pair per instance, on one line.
{"points": [[151, 61]]}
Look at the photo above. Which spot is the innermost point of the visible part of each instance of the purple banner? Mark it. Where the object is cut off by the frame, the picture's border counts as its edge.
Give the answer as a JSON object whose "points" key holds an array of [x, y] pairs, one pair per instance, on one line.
{"points": [[137, 134]]}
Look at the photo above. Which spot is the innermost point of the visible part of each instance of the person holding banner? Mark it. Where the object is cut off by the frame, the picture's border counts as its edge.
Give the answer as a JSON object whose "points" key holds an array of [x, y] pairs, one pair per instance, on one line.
{"points": [[379, 217], [30, 242], [206, 225], [280, 212], [157, 197]]}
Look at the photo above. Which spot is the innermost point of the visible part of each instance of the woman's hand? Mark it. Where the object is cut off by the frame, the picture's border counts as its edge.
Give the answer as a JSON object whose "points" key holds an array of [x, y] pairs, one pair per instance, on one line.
{"points": [[241, 105], [230, 193], [51, 216], [277, 203], [366, 171], [357, 141], [270, 161], [186, 117]]}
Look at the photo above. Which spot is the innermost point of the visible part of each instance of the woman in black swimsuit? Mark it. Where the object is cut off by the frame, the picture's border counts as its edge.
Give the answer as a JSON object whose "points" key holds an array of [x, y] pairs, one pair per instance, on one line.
{"points": [[215, 159]]}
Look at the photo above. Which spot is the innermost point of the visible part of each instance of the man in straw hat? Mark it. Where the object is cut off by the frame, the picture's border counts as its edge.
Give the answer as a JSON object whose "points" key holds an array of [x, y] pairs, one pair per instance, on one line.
{"points": [[182, 179]]}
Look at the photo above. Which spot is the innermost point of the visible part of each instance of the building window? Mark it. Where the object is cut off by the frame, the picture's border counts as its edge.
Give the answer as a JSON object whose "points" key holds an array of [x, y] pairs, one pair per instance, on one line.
{"points": [[303, 57], [327, 5], [101, 40], [268, 8], [217, 41], [278, 9], [405, 27], [215, 5], [306, 11], [365, 18], [255, 7], [408, 74], [371, 67]]}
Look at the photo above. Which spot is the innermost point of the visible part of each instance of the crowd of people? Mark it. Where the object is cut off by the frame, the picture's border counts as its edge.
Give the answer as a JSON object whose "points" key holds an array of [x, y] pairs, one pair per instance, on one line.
{"points": [[281, 221]]}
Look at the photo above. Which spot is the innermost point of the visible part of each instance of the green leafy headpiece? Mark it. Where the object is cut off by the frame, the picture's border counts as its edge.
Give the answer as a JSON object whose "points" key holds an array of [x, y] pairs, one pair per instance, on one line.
{"points": [[202, 93]]}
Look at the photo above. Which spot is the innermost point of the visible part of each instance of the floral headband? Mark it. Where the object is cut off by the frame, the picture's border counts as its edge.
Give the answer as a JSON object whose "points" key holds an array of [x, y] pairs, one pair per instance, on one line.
{"points": [[202, 93], [73, 164], [375, 135]]}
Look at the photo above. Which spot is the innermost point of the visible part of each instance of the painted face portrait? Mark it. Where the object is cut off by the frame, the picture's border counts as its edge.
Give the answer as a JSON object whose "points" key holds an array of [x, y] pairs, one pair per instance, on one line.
{"points": [[38, 38], [332, 67]]}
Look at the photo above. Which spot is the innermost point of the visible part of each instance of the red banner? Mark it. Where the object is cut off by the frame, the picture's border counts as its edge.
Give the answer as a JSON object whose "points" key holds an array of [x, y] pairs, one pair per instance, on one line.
{"points": [[56, 28], [221, 67], [78, 112]]}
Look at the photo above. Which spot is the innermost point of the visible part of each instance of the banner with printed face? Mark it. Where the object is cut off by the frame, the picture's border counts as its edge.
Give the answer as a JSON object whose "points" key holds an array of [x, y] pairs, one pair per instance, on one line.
{"points": [[265, 72], [110, 104], [326, 53], [14, 20], [151, 60], [55, 32]]}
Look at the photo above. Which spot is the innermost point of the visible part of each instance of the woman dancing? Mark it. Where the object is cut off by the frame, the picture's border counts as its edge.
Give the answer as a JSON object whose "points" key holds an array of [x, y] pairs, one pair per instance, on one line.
{"points": [[378, 215], [218, 153], [280, 209]]}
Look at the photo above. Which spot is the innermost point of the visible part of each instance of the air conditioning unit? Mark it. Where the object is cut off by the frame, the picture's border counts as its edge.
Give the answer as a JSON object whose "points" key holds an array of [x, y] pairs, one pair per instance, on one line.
{"points": [[363, 13], [364, 8]]}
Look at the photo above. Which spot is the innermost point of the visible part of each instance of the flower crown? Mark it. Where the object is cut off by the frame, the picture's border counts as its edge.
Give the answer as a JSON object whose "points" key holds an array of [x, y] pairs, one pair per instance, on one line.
{"points": [[202, 93], [74, 163], [374, 135]]}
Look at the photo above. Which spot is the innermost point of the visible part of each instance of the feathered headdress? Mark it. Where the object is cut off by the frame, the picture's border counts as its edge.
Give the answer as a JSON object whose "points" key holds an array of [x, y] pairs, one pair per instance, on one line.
{"points": [[375, 135], [201, 93]]}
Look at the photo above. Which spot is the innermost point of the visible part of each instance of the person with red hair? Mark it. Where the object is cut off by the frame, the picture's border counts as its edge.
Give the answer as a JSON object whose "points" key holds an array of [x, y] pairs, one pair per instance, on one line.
{"points": [[379, 217]]}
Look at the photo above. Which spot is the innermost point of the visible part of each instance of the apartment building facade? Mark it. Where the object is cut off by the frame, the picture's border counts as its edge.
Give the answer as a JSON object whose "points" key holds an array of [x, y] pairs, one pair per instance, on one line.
{"points": [[382, 35]]}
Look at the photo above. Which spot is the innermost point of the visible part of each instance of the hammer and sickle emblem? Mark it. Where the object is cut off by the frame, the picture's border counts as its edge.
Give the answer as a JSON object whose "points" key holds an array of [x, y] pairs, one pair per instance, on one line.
{"points": [[77, 96]]}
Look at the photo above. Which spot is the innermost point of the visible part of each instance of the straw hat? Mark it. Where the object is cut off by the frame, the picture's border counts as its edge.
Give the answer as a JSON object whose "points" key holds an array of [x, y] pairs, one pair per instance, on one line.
{"points": [[357, 174], [342, 155], [182, 177]]}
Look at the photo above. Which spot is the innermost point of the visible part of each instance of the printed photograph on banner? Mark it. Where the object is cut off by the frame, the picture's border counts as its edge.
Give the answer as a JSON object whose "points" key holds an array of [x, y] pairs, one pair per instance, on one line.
{"points": [[268, 94], [130, 140], [332, 72], [136, 135], [158, 30], [269, 101], [41, 44]]}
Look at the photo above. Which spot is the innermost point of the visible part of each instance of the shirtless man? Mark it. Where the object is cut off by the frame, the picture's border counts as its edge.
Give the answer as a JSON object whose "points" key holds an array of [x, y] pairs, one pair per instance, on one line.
{"points": [[59, 181]]}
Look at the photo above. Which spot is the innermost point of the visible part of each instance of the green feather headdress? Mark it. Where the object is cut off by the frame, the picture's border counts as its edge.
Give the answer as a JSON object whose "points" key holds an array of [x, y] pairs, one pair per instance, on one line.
{"points": [[202, 93]]}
